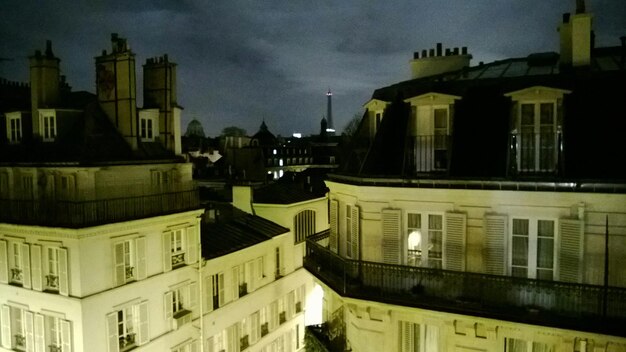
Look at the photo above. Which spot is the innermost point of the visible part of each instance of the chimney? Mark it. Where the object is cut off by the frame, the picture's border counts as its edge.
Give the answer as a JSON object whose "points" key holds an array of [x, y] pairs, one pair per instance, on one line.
{"points": [[44, 83], [439, 51], [576, 37], [242, 198], [434, 62]]}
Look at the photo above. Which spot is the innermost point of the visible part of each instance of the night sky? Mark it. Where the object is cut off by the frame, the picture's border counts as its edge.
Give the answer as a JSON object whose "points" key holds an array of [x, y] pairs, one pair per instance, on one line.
{"points": [[240, 62]]}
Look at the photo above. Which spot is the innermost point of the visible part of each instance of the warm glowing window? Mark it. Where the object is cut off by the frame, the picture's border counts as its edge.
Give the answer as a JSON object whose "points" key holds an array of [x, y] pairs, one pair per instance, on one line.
{"points": [[48, 125], [533, 248], [425, 240], [14, 127]]}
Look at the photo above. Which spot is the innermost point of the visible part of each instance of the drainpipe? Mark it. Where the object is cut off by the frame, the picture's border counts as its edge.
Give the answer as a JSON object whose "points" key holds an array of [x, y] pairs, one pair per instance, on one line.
{"points": [[200, 283], [606, 266]]}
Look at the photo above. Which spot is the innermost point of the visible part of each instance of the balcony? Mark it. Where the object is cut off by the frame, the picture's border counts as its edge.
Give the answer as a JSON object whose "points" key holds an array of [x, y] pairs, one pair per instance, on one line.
{"points": [[426, 154], [535, 153], [16, 276], [52, 283], [75, 214], [549, 303]]}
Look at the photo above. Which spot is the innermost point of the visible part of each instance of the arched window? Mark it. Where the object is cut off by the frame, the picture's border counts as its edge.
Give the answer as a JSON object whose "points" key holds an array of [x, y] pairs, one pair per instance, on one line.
{"points": [[304, 225]]}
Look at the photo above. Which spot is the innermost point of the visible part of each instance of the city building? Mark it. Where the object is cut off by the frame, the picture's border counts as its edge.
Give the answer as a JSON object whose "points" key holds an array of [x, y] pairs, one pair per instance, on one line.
{"points": [[483, 207], [99, 216]]}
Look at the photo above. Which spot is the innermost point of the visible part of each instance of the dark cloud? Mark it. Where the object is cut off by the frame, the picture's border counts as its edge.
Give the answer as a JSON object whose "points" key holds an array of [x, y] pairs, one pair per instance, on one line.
{"points": [[242, 61]]}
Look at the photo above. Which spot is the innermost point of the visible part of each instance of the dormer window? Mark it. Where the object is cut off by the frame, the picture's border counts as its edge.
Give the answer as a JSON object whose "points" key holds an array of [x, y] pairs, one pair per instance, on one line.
{"points": [[536, 128], [14, 127], [48, 125], [429, 132], [375, 110], [148, 128]]}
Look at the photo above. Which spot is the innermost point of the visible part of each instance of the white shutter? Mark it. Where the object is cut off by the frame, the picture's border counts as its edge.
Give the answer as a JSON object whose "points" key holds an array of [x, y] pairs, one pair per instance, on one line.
{"points": [[4, 265], [168, 305], [193, 294], [63, 275], [235, 283], [40, 341], [28, 331], [167, 251], [5, 321], [192, 244], [112, 332], [334, 226], [143, 332], [140, 246], [35, 260], [207, 295], [392, 245], [118, 259], [221, 289], [495, 244], [571, 234], [249, 275], [66, 335], [25, 249], [455, 241], [355, 227]]}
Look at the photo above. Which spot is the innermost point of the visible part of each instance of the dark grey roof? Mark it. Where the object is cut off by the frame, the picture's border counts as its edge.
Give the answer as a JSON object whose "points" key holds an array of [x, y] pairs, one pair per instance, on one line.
{"points": [[293, 187], [235, 232]]}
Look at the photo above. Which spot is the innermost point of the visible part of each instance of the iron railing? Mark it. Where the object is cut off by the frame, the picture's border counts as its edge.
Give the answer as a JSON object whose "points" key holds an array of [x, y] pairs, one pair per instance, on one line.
{"points": [[560, 304], [73, 214], [429, 153], [536, 153]]}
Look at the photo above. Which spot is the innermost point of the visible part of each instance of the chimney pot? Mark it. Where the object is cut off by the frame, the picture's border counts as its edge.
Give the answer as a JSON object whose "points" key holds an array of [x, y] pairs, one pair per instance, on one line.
{"points": [[439, 46], [431, 52], [424, 53], [464, 50], [49, 48], [113, 36], [456, 51], [416, 55], [566, 17], [580, 6], [448, 52]]}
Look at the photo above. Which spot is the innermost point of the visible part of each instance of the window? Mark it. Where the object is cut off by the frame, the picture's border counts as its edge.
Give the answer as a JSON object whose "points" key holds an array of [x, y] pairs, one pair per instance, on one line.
{"points": [[537, 138], [180, 247], [255, 327], [55, 270], [532, 248], [217, 282], [179, 303], [147, 133], [130, 260], [47, 125], [162, 179], [349, 231], [414, 337], [425, 240], [216, 342], [57, 334], [27, 186], [14, 127], [128, 327], [431, 131], [67, 187], [279, 268], [519, 345]]}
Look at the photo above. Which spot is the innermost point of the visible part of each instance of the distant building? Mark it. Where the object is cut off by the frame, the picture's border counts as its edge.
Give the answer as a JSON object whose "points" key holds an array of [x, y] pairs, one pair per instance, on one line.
{"points": [[474, 209]]}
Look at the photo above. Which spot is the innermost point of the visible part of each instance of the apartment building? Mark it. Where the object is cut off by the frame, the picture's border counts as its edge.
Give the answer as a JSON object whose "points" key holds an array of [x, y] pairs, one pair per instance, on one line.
{"points": [[483, 207]]}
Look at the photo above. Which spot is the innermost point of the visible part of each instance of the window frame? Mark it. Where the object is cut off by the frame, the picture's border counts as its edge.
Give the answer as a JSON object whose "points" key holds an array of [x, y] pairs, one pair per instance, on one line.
{"points": [[48, 125], [425, 238], [533, 246], [14, 127]]}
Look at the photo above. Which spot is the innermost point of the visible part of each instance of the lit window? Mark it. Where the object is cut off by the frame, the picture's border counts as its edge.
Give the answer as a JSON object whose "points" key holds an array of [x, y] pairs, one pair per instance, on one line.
{"points": [[179, 302], [425, 240], [126, 327], [14, 127], [47, 125], [533, 248], [178, 249], [274, 151]]}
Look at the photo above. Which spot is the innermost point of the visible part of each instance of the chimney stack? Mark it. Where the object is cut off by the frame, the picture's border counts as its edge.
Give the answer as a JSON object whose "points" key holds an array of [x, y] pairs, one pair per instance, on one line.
{"points": [[576, 37], [433, 61]]}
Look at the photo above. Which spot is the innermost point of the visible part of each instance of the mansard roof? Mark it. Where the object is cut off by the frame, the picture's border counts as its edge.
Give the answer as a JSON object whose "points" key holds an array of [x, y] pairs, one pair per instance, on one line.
{"points": [[593, 110]]}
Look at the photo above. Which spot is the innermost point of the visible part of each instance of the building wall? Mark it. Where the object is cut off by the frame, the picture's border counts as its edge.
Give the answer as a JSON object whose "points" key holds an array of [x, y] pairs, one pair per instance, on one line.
{"points": [[591, 208], [373, 326]]}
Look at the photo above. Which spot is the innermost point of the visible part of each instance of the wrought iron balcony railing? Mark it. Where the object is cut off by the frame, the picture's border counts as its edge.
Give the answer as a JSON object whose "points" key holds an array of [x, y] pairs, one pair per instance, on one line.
{"points": [[535, 153], [52, 282], [178, 260], [16, 275], [559, 304], [427, 153], [74, 214]]}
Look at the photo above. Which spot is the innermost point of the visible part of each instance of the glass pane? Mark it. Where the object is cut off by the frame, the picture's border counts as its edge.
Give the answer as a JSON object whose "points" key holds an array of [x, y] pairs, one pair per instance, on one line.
{"points": [[435, 222], [520, 250], [414, 221], [545, 228], [543, 274], [547, 113], [545, 253], [528, 114], [441, 118], [515, 345], [520, 227], [519, 272]]}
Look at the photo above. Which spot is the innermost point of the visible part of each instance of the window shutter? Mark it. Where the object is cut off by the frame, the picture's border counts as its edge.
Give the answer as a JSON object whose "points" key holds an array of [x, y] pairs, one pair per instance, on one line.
{"points": [[35, 268], [355, 228], [144, 333], [495, 244], [25, 249], [193, 294], [140, 246], [168, 305], [192, 244], [207, 295], [334, 236], [455, 241], [391, 236], [5, 321], [40, 341], [193, 346], [570, 250], [112, 332], [234, 283], [29, 331], [249, 276], [118, 259], [63, 275], [66, 335], [221, 287], [4, 265], [167, 251]]}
